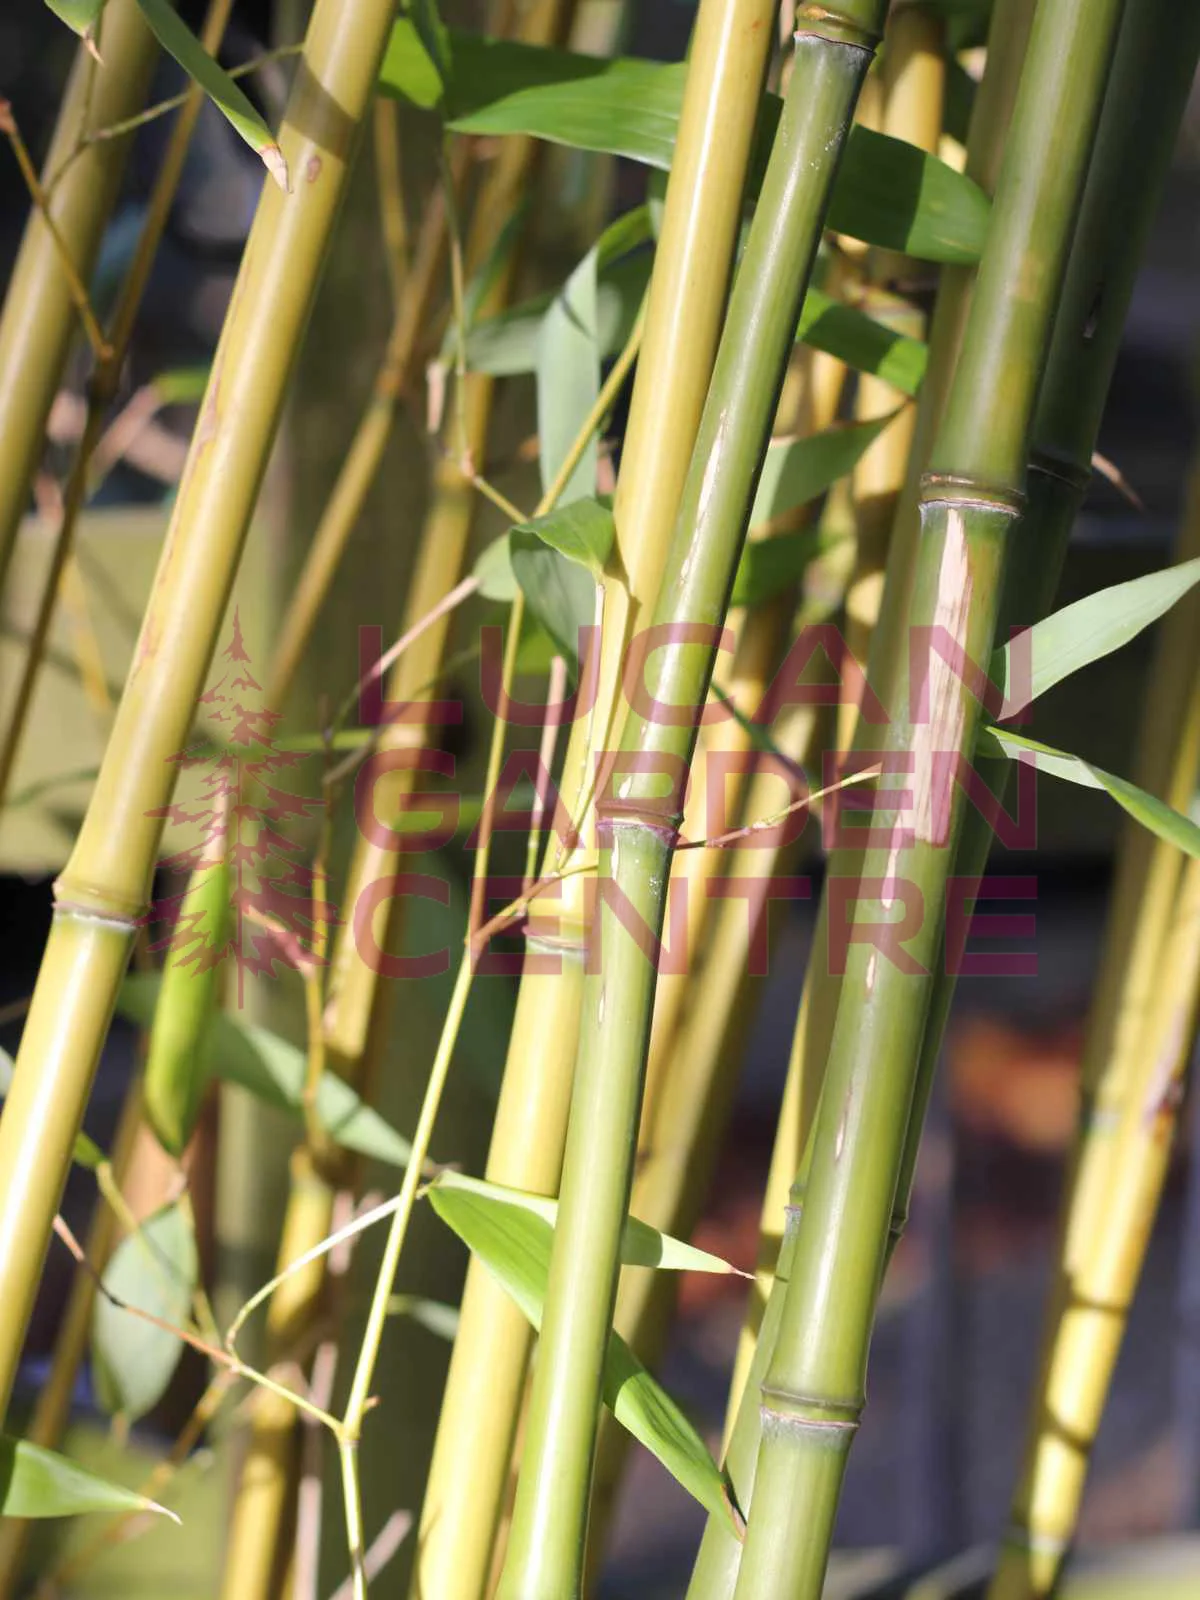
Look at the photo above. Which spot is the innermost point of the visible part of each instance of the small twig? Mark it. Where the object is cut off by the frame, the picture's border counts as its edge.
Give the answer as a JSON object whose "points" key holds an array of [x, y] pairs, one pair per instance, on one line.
{"points": [[161, 108], [41, 200]]}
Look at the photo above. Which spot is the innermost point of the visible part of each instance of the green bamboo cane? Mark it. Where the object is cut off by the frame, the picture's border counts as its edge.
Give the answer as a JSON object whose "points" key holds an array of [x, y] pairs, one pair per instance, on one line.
{"points": [[701, 216], [703, 1010], [812, 1394], [1008, 34], [1134, 145], [546, 1550], [102, 892], [39, 315]]}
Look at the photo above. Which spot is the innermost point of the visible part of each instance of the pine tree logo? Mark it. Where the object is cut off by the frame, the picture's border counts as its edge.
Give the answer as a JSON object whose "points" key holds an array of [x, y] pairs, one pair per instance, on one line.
{"points": [[242, 858]]}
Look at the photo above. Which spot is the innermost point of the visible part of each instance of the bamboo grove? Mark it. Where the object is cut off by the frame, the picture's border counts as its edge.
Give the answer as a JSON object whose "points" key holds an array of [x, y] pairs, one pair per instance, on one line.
{"points": [[726, 421]]}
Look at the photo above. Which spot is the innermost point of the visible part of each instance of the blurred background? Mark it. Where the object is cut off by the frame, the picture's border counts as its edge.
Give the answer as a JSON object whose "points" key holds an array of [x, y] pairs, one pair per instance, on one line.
{"points": [[956, 1344]]}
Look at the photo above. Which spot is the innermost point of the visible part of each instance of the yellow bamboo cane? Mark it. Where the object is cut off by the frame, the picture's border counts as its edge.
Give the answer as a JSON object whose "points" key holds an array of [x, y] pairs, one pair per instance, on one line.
{"points": [[103, 890], [39, 310], [686, 301], [355, 1023], [1134, 1054]]}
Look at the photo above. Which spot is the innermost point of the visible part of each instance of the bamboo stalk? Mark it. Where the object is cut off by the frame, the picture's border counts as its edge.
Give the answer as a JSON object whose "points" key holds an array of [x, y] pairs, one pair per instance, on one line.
{"points": [[813, 1389], [102, 388], [53, 1408], [103, 890], [1133, 152], [366, 453], [545, 1556], [913, 74], [488, 1366], [703, 1008], [39, 316], [1011, 20], [357, 1015], [1134, 1058]]}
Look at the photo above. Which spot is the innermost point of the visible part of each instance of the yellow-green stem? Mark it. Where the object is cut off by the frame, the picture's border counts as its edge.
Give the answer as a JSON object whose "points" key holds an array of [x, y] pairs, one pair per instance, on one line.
{"points": [[103, 890], [39, 316]]}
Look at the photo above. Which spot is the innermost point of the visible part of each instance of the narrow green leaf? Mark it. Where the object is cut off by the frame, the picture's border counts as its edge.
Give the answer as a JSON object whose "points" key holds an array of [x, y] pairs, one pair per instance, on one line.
{"points": [[154, 1270], [560, 593], [1153, 814], [861, 342], [890, 193], [1093, 627], [431, 31], [40, 1483], [506, 345], [178, 40], [81, 16], [85, 1152], [274, 1070], [514, 1245], [188, 1002], [409, 70], [887, 192], [568, 380], [797, 471], [641, 1245], [769, 566], [182, 385], [433, 1315], [582, 531], [494, 570]]}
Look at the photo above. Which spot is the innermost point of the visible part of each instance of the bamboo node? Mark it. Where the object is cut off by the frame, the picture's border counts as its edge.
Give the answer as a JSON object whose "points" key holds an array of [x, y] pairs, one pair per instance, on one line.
{"points": [[948, 488], [784, 1409], [1060, 469], [80, 911], [833, 27]]}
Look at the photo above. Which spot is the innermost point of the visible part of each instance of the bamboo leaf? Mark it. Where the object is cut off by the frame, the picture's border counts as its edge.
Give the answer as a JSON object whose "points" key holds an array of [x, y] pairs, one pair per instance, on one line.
{"points": [[40, 1483], [861, 342], [582, 531], [560, 593], [514, 1245], [641, 1245], [85, 1152], [797, 471], [493, 570], [274, 1070], [768, 566], [154, 1270], [431, 31], [433, 1315], [887, 192], [81, 16], [506, 345], [1089, 629], [178, 40], [1154, 814], [568, 380]]}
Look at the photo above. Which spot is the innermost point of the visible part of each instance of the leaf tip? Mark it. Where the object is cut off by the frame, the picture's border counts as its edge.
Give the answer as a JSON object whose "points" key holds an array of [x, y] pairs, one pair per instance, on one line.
{"points": [[90, 45], [276, 164]]}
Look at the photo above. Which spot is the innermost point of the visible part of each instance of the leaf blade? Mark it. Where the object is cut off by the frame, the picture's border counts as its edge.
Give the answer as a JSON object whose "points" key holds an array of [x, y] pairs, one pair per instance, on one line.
{"points": [[36, 1483], [1086, 631], [179, 41], [514, 1245]]}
